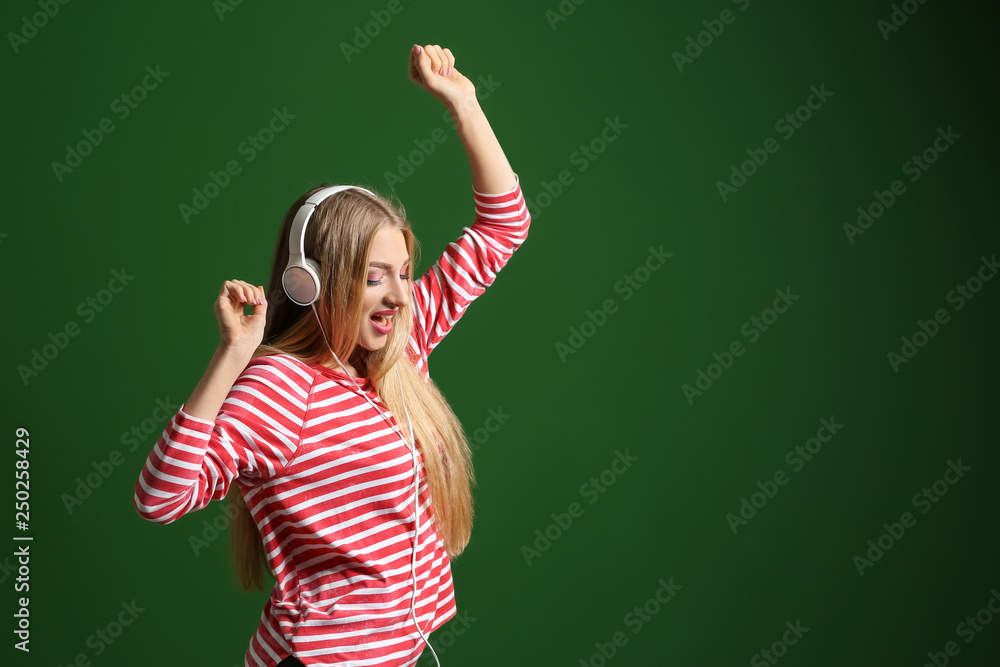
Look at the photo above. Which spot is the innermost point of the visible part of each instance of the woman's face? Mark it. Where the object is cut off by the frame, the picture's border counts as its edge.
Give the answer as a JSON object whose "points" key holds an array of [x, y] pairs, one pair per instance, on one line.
{"points": [[387, 289]]}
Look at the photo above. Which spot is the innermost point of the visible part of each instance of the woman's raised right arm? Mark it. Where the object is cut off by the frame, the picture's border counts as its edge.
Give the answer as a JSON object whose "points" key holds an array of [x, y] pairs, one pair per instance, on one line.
{"points": [[243, 419], [225, 367], [239, 336]]}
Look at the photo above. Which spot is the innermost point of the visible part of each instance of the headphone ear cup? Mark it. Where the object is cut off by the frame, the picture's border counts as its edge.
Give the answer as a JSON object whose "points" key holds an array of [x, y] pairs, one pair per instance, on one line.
{"points": [[301, 282]]}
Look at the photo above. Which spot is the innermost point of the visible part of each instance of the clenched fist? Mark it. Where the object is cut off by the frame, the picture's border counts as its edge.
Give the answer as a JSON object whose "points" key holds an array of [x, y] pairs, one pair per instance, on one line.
{"points": [[433, 69]]}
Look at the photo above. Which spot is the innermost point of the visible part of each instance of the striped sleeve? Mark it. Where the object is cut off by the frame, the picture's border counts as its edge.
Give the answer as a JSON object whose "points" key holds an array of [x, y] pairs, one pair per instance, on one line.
{"points": [[469, 265], [254, 435]]}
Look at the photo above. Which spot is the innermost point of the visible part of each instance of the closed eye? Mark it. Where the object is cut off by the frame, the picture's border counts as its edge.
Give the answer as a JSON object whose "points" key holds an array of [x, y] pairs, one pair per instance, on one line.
{"points": [[376, 283]]}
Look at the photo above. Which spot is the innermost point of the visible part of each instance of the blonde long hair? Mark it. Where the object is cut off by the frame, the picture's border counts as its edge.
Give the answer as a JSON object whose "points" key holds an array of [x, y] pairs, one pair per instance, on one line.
{"points": [[339, 237]]}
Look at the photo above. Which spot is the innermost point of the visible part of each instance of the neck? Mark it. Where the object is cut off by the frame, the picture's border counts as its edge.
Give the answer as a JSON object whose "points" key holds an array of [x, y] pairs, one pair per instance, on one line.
{"points": [[358, 363], [355, 365]]}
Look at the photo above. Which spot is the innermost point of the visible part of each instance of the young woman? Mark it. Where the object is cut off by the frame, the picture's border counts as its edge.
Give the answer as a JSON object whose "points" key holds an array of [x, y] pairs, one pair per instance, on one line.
{"points": [[352, 472]]}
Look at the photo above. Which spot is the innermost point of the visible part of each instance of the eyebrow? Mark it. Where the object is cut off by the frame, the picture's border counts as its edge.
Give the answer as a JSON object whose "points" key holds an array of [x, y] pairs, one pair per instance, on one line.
{"points": [[387, 267]]}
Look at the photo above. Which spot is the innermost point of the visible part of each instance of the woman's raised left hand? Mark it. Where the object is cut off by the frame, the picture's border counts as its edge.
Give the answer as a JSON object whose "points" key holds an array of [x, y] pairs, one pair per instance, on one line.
{"points": [[433, 69]]}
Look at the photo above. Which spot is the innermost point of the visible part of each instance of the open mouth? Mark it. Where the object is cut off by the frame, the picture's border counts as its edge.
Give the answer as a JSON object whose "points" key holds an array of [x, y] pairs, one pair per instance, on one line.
{"points": [[382, 323]]}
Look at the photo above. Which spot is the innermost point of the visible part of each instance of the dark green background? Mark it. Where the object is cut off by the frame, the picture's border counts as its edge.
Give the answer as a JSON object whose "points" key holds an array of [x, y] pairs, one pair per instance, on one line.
{"points": [[655, 185]]}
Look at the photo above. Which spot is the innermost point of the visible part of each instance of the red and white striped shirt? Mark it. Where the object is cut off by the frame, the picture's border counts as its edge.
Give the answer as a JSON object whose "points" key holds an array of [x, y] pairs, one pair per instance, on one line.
{"points": [[329, 484]]}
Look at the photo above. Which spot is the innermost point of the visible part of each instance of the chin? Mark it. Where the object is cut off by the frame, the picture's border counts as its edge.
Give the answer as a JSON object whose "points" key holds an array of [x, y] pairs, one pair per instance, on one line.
{"points": [[374, 346]]}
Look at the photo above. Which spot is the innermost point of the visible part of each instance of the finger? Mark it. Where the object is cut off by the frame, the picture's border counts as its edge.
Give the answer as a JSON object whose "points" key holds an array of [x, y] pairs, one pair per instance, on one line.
{"points": [[412, 59], [451, 60], [422, 64], [237, 292], [234, 291], [261, 309], [234, 301], [241, 292], [433, 58], [442, 60], [249, 292], [427, 60]]}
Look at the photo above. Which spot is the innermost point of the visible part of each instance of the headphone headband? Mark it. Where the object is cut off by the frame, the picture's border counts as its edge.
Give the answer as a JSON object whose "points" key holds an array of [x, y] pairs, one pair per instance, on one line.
{"points": [[301, 276]]}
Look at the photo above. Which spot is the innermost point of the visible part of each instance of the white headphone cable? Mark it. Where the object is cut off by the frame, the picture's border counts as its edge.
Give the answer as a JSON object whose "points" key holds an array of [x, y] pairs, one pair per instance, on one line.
{"points": [[413, 449]]}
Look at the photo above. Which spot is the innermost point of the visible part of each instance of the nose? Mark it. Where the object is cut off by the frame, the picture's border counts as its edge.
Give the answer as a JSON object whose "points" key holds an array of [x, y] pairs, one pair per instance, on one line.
{"points": [[399, 295]]}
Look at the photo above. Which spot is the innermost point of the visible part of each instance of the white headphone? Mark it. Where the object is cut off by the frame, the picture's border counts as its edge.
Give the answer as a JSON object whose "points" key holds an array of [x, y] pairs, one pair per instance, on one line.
{"points": [[301, 276], [301, 283]]}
